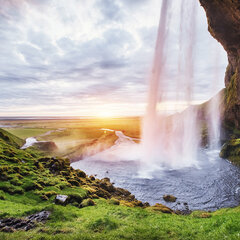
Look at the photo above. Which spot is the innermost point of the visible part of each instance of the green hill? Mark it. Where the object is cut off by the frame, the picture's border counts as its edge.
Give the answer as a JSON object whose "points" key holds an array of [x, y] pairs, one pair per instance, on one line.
{"points": [[11, 139], [94, 209]]}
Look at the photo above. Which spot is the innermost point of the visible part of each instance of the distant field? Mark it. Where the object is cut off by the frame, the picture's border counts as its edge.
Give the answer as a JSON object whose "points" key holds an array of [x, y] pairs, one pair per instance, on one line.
{"points": [[26, 128], [74, 136], [27, 132]]}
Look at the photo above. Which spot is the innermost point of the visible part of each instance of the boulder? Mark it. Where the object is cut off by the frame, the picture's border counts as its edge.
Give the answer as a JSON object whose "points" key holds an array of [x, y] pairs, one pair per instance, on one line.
{"points": [[169, 198]]}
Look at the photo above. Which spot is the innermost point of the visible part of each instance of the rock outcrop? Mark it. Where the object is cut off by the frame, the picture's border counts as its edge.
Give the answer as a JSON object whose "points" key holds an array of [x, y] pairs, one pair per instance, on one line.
{"points": [[12, 224], [224, 25], [231, 151]]}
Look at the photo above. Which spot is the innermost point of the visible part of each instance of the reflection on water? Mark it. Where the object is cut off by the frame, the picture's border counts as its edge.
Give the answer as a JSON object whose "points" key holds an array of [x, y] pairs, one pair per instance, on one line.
{"points": [[215, 184]]}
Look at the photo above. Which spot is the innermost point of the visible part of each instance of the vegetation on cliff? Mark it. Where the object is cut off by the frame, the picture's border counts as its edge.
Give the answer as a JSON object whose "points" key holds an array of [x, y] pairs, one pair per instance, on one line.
{"points": [[231, 151]]}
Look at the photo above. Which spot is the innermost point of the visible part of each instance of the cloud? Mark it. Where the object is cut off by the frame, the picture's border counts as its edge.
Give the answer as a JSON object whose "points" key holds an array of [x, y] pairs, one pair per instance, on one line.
{"points": [[83, 54]]}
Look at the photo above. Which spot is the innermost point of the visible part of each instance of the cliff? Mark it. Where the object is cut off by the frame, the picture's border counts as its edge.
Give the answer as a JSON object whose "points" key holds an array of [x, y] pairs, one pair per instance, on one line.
{"points": [[224, 25]]}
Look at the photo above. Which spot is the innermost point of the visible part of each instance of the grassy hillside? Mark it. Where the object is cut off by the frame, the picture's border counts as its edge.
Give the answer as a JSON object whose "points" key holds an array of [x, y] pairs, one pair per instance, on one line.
{"points": [[30, 181], [11, 139], [28, 132]]}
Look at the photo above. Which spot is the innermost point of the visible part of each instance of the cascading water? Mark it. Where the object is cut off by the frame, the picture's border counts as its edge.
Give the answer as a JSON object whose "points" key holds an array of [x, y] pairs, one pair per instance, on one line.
{"points": [[171, 141], [214, 119]]}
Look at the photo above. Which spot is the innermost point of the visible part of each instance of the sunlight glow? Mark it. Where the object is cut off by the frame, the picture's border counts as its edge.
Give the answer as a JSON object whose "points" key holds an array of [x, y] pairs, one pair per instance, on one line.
{"points": [[104, 114]]}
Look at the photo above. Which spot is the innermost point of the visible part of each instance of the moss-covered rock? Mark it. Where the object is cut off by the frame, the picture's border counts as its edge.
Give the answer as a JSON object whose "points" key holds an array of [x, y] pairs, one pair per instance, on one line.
{"points": [[169, 198], [114, 201], [31, 185], [160, 208], [231, 151], [87, 202]]}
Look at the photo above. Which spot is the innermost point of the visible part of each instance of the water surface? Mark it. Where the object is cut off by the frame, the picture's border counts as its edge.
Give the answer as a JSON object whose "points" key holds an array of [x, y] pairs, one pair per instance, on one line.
{"points": [[215, 184]]}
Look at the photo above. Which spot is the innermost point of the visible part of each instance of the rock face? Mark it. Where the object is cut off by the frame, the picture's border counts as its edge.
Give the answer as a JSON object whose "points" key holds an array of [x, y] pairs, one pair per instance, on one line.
{"points": [[224, 25]]}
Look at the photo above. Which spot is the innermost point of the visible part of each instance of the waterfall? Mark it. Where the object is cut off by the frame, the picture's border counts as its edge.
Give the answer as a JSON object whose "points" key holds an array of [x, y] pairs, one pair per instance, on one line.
{"points": [[171, 140], [214, 120]]}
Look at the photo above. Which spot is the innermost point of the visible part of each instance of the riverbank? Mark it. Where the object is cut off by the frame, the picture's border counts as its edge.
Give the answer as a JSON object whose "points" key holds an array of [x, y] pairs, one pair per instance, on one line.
{"points": [[32, 182]]}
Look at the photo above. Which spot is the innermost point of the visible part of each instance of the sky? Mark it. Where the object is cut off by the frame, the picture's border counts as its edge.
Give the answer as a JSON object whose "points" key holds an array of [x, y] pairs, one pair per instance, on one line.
{"points": [[92, 57]]}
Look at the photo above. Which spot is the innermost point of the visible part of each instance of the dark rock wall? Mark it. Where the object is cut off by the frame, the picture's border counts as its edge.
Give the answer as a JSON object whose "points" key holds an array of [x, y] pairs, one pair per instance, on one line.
{"points": [[224, 25]]}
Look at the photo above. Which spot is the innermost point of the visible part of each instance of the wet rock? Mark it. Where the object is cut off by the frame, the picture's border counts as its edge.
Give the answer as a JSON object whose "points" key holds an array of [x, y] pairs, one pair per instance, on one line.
{"points": [[106, 179], [27, 223], [182, 209], [61, 199], [169, 198], [146, 204]]}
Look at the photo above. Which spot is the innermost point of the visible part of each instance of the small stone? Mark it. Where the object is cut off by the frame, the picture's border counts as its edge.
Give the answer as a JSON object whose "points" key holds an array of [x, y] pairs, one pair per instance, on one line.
{"points": [[61, 199]]}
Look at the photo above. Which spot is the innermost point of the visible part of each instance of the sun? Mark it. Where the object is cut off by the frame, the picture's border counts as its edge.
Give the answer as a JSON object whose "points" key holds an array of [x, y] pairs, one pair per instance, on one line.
{"points": [[104, 114]]}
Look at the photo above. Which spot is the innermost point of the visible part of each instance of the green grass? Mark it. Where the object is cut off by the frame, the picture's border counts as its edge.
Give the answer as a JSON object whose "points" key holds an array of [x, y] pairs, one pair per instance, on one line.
{"points": [[10, 138], [106, 221], [28, 186]]}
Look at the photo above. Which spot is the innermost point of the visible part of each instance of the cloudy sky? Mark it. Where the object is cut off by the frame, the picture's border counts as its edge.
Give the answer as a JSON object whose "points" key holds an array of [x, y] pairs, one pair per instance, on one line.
{"points": [[91, 57]]}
